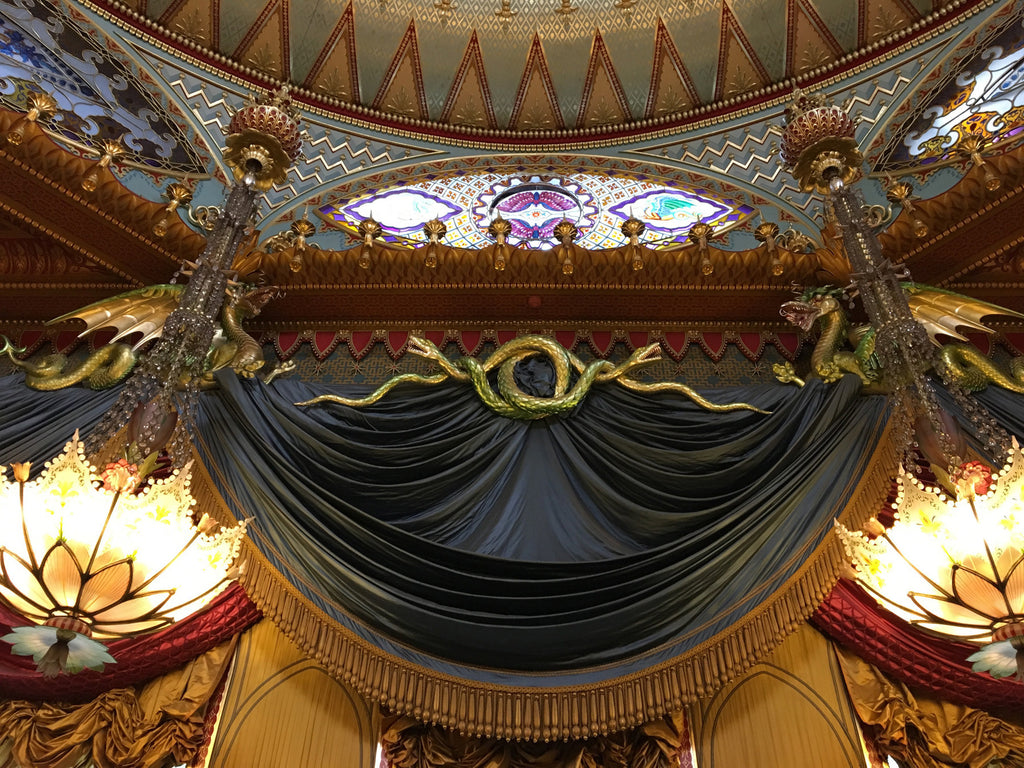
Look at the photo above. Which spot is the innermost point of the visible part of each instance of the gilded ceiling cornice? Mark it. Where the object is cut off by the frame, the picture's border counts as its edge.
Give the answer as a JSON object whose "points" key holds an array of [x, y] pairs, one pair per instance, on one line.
{"points": [[773, 95], [31, 256], [533, 288], [618, 328], [969, 225], [66, 286], [43, 190], [607, 269]]}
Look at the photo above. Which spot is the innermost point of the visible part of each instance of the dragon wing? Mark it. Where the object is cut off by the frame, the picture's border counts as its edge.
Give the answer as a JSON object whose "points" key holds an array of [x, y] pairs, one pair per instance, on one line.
{"points": [[863, 340], [945, 313], [143, 310]]}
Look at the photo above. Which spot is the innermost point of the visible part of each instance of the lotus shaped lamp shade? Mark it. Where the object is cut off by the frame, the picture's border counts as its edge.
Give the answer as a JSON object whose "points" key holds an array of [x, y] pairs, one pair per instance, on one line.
{"points": [[954, 566], [89, 556]]}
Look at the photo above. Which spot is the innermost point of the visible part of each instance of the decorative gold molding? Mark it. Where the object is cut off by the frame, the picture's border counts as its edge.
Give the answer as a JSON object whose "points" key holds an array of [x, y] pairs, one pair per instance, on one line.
{"points": [[603, 269], [955, 209], [43, 160]]}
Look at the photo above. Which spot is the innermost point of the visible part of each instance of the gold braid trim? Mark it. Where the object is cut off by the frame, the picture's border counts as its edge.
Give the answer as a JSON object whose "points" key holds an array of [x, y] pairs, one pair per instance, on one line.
{"points": [[531, 713]]}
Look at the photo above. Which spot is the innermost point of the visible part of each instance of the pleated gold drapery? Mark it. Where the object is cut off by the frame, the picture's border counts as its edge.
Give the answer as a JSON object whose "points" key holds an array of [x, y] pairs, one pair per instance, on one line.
{"points": [[411, 744], [280, 709], [552, 713], [788, 710], [159, 724], [925, 732]]}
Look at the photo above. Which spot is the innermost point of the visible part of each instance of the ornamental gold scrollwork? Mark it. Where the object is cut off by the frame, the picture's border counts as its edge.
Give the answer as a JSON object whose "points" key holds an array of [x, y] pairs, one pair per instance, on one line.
{"points": [[510, 400]]}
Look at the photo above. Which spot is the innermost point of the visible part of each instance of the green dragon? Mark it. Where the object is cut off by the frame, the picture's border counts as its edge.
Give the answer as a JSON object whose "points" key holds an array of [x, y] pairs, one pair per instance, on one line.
{"points": [[510, 400], [144, 311], [844, 348]]}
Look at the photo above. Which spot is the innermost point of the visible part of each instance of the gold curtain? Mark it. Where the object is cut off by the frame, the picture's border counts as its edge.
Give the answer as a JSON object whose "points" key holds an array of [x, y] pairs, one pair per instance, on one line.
{"points": [[159, 724], [282, 709], [409, 743], [789, 710], [925, 732]]}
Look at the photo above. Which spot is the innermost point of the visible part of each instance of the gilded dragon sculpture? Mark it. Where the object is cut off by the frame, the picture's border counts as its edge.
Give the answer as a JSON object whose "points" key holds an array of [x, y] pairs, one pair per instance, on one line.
{"points": [[510, 400], [144, 311], [845, 348]]}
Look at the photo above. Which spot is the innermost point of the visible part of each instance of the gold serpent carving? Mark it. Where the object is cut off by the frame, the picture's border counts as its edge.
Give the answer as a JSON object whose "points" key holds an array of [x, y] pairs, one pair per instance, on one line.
{"points": [[510, 400]]}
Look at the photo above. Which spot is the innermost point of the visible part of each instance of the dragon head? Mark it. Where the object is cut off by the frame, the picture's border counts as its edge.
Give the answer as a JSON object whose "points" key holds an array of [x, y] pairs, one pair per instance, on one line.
{"points": [[251, 302], [813, 304]]}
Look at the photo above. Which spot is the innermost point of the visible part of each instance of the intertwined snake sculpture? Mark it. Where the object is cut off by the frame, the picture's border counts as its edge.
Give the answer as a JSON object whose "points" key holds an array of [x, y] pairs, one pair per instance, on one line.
{"points": [[513, 402]]}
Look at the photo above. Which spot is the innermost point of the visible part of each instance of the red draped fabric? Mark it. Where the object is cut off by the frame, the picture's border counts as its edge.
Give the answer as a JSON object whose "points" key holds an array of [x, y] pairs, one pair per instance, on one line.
{"points": [[853, 618], [138, 658]]}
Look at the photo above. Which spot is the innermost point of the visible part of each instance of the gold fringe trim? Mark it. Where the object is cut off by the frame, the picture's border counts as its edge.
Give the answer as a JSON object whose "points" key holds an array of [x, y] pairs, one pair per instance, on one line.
{"points": [[532, 713]]}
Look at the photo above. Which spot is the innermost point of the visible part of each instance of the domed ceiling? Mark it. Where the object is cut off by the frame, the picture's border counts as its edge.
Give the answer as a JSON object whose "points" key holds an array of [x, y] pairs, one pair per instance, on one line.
{"points": [[533, 65], [126, 73]]}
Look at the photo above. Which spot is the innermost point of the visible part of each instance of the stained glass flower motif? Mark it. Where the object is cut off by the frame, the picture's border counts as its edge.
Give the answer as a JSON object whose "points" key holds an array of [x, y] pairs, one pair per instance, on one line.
{"points": [[596, 203], [984, 101]]}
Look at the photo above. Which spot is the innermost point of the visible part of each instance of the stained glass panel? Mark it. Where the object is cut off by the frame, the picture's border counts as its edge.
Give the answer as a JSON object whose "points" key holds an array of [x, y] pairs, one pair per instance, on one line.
{"points": [[985, 99], [97, 92], [533, 204]]}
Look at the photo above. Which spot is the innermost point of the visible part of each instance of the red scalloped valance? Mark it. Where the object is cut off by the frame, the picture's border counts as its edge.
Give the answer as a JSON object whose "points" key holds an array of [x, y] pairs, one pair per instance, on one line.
{"points": [[851, 617]]}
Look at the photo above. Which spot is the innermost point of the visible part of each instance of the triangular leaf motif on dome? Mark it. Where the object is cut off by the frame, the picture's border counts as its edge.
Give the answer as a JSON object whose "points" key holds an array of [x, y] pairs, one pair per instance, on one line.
{"points": [[739, 68], [198, 20], [536, 104], [401, 92], [877, 19], [335, 73], [604, 101], [469, 100], [672, 88], [810, 42], [265, 46]]}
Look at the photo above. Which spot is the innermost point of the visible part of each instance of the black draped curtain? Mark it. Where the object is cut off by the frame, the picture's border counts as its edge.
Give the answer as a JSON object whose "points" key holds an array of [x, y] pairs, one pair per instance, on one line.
{"points": [[629, 531]]}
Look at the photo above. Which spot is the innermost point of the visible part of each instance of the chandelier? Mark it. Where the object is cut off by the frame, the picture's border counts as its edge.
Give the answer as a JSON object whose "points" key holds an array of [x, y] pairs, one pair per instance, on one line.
{"points": [[101, 555], [952, 564], [949, 559], [91, 555]]}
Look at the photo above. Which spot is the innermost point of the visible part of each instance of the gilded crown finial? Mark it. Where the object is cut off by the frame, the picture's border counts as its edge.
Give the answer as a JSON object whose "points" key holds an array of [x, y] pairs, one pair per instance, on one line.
{"points": [[818, 143], [264, 138]]}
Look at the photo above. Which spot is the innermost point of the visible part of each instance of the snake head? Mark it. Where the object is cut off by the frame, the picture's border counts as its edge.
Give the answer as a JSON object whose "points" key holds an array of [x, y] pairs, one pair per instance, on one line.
{"points": [[423, 348], [649, 354]]}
